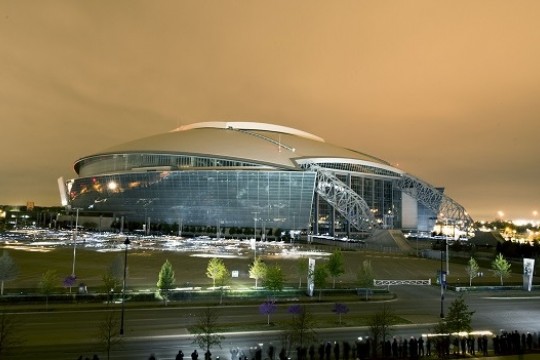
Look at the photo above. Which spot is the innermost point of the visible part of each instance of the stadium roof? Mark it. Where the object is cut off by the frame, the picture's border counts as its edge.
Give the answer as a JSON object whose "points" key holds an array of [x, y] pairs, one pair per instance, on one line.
{"points": [[256, 142]]}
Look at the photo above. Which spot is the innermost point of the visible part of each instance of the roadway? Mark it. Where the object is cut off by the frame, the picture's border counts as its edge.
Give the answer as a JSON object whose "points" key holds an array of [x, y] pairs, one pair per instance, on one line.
{"points": [[163, 330]]}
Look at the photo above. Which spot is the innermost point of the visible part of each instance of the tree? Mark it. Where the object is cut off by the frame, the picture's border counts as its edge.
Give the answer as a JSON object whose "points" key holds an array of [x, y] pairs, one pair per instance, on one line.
{"points": [[340, 309], [8, 334], [110, 284], [365, 274], [459, 317], [501, 267], [108, 332], [165, 280], [223, 281], [215, 270], [274, 278], [49, 281], [206, 329], [257, 270], [69, 282], [335, 265], [472, 269], [303, 267], [301, 328], [8, 270], [320, 276], [268, 308], [380, 324]]}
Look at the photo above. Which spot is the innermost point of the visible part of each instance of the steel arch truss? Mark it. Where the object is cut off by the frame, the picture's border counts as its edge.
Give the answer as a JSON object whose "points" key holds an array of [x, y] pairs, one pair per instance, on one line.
{"points": [[344, 199], [447, 209]]}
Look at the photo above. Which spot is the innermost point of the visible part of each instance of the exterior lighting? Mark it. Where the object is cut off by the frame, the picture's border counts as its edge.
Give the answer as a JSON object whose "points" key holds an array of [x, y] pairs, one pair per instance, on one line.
{"points": [[112, 185]]}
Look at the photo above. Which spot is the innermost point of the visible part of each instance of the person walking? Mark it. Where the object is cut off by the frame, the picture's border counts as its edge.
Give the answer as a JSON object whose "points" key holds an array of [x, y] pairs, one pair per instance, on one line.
{"points": [[180, 355]]}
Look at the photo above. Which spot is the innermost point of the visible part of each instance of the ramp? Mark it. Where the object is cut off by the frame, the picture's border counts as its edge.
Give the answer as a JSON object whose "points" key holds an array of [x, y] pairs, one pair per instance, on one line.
{"points": [[390, 238]]}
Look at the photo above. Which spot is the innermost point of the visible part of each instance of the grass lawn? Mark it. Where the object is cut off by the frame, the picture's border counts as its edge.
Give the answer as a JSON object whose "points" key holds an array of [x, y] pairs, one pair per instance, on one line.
{"points": [[190, 268]]}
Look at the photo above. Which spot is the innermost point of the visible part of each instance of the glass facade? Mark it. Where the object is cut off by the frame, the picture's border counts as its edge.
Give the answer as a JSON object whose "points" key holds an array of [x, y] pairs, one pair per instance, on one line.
{"points": [[105, 164], [239, 198]]}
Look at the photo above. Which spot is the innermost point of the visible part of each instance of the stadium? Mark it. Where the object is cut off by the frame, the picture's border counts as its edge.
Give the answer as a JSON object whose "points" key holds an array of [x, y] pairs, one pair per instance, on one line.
{"points": [[244, 175]]}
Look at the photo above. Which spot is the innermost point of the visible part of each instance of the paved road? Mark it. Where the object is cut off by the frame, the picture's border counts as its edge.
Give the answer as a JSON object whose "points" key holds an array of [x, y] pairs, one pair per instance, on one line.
{"points": [[66, 335]]}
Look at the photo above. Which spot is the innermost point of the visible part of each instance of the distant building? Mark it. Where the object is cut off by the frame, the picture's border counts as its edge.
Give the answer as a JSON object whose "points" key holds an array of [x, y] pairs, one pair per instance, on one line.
{"points": [[254, 175]]}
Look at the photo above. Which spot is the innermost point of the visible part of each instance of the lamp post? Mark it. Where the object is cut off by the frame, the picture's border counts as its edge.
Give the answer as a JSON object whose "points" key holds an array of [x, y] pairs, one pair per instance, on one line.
{"points": [[441, 281], [126, 243], [75, 240]]}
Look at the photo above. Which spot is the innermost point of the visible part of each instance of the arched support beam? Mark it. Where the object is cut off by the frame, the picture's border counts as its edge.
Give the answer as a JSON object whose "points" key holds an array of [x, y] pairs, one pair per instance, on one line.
{"points": [[445, 207], [344, 199]]}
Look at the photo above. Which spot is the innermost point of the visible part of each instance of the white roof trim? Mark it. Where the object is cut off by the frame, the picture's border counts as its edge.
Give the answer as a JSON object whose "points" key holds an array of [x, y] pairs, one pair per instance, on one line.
{"points": [[250, 126], [350, 161]]}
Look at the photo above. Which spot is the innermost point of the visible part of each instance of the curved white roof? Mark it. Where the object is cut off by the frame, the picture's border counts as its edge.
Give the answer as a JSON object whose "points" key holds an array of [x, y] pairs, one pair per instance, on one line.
{"points": [[274, 145]]}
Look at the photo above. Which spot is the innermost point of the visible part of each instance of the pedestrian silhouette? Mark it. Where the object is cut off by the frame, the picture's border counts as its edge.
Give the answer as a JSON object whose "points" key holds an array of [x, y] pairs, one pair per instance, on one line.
{"points": [[180, 355]]}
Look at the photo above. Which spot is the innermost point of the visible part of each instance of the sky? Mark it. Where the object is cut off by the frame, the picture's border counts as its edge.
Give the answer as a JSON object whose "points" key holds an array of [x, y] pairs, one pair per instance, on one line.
{"points": [[448, 91]]}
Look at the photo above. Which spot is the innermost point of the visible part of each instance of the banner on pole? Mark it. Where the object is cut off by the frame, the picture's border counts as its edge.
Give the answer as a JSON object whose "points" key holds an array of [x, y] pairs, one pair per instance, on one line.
{"points": [[528, 272]]}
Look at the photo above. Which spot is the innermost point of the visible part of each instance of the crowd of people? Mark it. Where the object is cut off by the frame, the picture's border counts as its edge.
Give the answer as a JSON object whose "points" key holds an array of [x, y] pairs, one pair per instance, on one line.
{"points": [[396, 347]]}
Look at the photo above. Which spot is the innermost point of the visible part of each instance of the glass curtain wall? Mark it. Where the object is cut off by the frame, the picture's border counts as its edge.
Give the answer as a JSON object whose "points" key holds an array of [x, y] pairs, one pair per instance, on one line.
{"points": [[274, 199]]}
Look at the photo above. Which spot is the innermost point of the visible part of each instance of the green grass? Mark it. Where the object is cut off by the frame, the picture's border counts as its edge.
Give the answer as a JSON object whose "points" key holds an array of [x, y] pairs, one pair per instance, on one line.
{"points": [[144, 266]]}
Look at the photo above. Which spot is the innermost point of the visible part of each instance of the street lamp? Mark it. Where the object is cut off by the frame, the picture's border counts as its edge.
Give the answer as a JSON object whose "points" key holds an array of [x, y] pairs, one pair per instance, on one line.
{"points": [[442, 279], [75, 240], [126, 243]]}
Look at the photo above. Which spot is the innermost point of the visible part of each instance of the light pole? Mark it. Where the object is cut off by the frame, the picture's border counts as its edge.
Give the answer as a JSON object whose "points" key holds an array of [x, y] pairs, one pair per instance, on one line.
{"points": [[442, 279], [75, 240], [126, 243]]}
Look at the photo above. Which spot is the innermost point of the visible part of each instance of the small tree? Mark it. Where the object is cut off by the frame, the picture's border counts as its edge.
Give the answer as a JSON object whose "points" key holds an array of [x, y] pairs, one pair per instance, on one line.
{"points": [[340, 309], [165, 280], [459, 317], [206, 329], [108, 332], [268, 308], [223, 281], [49, 281], [335, 265], [257, 270], [110, 283], [274, 279], [365, 274], [380, 324], [215, 270], [472, 269], [501, 267], [8, 270], [320, 276], [69, 282], [301, 328]]}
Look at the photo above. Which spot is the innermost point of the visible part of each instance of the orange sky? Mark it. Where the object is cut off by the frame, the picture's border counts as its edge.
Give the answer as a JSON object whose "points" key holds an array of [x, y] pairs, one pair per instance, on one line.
{"points": [[447, 90]]}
